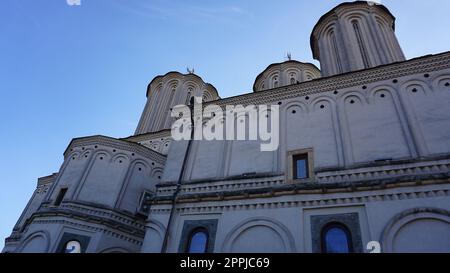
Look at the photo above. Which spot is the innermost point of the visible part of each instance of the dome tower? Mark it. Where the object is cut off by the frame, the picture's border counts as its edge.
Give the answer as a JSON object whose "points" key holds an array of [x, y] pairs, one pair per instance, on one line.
{"points": [[354, 36], [284, 74], [165, 92]]}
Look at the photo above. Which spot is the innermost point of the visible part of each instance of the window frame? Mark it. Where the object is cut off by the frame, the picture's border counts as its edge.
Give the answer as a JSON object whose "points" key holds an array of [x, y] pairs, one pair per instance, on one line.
{"points": [[60, 197], [344, 228], [291, 168], [191, 235], [295, 159]]}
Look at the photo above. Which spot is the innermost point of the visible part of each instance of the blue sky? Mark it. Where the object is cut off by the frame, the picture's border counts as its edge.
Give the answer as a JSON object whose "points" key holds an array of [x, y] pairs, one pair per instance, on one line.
{"points": [[71, 71]]}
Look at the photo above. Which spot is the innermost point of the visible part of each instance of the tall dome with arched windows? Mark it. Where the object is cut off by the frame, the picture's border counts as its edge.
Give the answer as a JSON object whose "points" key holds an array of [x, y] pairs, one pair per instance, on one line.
{"points": [[355, 36], [164, 92]]}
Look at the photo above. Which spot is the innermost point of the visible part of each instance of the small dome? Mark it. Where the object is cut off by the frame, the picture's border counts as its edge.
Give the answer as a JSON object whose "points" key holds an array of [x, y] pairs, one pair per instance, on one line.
{"points": [[284, 74]]}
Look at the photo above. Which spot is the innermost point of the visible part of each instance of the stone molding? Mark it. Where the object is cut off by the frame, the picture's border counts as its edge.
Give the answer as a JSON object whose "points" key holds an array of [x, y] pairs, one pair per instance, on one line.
{"points": [[405, 217], [118, 144], [149, 136], [113, 221], [381, 73], [383, 174], [314, 199]]}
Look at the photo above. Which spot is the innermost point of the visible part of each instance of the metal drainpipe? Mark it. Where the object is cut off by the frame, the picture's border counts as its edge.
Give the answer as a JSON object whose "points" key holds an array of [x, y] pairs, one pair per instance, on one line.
{"points": [[177, 190]]}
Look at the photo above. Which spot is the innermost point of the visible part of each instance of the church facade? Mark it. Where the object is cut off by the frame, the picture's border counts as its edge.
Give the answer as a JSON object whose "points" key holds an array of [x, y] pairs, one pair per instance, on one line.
{"points": [[363, 163]]}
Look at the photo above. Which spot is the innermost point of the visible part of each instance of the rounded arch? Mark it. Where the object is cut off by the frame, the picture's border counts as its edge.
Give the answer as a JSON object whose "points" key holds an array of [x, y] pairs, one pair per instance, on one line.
{"points": [[172, 84], [275, 79], [157, 172], [74, 155], [116, 250], [316, 102], [340, 229], [410, 85], [120, 158], [198, 240], [384, 20], [191, 86], [308, 75], [381, 90], [102, 154], [406, 217], [33, 243], [295, 104], [154, 237], [274, 225], [157, 226], [326, 29], [135, 163], [441, 81], [86, 153], [356, 96], [372, 92]]}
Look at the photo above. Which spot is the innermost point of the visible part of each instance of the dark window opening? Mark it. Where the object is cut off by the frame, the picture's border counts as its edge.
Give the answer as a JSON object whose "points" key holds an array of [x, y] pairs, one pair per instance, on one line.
{"points": [[336, 53], [336, 238], [198, 241], [301, 169], [362, 48], [60, 196]]}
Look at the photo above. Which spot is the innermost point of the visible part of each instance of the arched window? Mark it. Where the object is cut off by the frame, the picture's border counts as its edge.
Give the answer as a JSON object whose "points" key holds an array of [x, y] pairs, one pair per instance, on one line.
{"points": [[362, 48], [188, 98], [336, 52], [336, 238], [275, 82], [198, 241]]}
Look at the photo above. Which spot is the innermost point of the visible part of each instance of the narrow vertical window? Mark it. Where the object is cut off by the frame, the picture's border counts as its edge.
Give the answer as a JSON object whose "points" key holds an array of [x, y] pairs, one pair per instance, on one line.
{"points": [[60, 197], [336, 52], [336, 238], [360, 40], [198, 241], [301, 169], [188, 98]]}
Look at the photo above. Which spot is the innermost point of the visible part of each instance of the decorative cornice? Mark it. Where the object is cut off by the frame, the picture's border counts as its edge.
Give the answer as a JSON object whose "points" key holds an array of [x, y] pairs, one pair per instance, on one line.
{"points": [[137, 240], [149, 136], [377, 171], [117, 221], [47, 179], [426, 64], [118, 144], [411, 190], [309, 188], [182, 76]]}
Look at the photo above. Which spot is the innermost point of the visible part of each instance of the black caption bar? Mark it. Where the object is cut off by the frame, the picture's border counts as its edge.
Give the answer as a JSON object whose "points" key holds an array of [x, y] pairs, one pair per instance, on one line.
{"points": [[130, 263]]}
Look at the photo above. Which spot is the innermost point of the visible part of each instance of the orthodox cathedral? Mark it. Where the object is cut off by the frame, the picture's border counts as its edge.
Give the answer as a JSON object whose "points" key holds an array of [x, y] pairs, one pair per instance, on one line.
{"points": [[363, 163]]}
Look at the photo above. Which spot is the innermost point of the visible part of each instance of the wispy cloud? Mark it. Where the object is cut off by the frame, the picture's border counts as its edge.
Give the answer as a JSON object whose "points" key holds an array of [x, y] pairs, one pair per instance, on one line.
{"points": [[182, 11]]}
